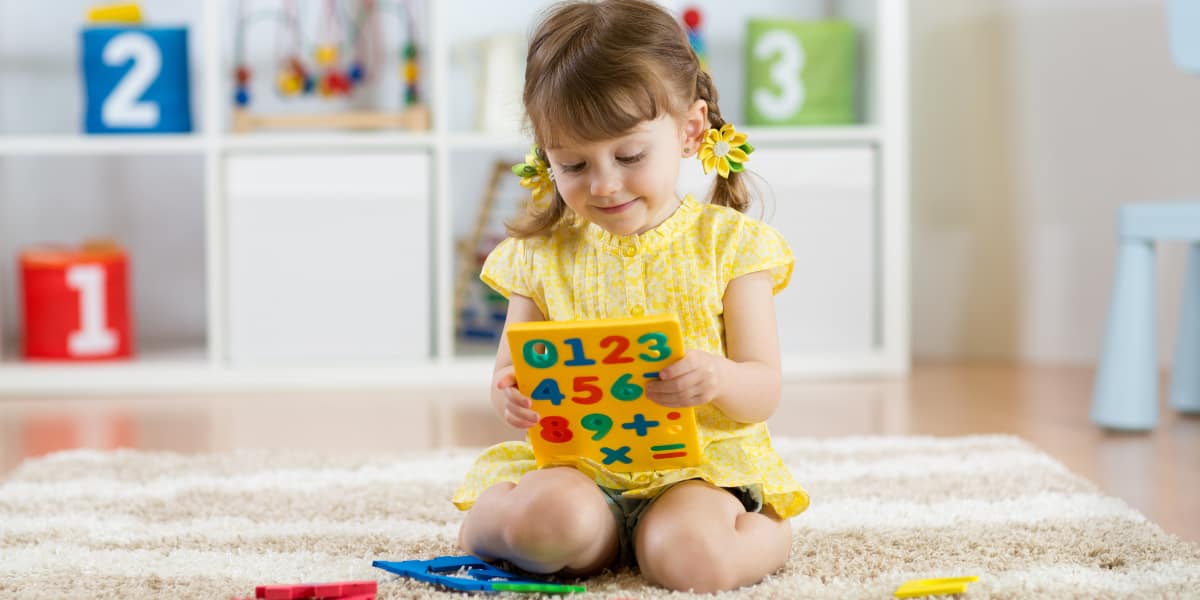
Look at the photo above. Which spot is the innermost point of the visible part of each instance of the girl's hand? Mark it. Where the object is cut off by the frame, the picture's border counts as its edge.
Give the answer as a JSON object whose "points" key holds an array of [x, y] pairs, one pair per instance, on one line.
{"points": [[518, 409], [692, 381]]}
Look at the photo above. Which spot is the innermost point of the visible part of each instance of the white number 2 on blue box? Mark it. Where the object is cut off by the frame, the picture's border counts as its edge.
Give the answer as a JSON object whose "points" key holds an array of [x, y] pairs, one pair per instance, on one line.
{"points": [[136, 80]]}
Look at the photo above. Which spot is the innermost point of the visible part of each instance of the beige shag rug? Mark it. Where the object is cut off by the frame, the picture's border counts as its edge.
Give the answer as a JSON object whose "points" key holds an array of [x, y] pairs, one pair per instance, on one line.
{"points": [[151, 525]]}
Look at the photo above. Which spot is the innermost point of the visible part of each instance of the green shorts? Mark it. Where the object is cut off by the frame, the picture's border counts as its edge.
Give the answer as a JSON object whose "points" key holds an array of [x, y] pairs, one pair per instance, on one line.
{"points": [[628, 513]]}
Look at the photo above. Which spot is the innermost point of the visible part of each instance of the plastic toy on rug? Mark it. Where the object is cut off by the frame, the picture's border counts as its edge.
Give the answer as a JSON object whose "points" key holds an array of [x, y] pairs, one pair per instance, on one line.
{"points": [[930, 587], [603, 365], [347, 53], [480, 576], [334, 590]]}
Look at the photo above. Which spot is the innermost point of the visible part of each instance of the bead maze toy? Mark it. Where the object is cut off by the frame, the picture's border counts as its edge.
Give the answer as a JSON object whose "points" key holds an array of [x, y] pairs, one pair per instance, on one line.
{"points": [[480, 576], [344, 54], [603, 365]]}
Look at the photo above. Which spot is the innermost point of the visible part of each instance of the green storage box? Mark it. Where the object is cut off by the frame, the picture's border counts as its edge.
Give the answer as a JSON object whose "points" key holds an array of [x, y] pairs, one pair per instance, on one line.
{"points": [[800, 72]]}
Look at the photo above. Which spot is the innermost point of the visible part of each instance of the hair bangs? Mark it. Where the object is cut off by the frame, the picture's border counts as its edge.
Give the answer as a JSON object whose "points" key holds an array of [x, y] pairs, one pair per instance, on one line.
{"points": [[573, 108]]}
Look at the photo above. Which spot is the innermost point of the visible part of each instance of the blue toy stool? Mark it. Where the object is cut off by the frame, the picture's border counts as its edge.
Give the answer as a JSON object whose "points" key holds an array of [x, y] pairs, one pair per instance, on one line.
{"points": [[1126, 394]]}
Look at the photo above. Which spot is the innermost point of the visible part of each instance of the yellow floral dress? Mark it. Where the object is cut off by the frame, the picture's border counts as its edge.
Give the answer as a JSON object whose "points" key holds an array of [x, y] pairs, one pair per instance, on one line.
{"points": [[681, 266]]}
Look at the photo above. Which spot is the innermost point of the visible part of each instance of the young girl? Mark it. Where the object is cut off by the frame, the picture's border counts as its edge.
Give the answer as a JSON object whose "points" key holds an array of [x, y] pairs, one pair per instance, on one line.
{"points": [[615, 96]]}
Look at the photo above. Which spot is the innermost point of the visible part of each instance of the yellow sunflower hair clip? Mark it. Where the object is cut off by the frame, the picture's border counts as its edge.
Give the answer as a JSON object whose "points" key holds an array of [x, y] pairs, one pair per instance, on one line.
{"points": [[725, 150], [536, 175]]}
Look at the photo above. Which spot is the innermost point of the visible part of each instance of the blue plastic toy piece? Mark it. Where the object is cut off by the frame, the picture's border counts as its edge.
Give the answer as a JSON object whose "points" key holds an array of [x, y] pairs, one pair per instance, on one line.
{"points": [[481, 577]]}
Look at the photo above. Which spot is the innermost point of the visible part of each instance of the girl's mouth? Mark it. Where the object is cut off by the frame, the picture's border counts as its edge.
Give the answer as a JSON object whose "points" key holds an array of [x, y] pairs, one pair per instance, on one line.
{"points": [[617, 208]]}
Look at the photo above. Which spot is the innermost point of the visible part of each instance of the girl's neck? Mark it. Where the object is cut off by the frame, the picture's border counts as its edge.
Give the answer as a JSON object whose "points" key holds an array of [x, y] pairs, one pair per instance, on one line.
{"points": [[666, 213]]}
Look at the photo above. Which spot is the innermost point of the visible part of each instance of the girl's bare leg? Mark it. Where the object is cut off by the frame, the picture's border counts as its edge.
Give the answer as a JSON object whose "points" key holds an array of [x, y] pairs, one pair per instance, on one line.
{"points": [[697, 536], [553, 520]]}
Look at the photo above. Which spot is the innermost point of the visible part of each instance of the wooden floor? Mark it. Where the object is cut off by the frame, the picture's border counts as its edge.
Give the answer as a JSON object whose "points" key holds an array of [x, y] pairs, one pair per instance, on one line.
{"points": [[1158, 473]]}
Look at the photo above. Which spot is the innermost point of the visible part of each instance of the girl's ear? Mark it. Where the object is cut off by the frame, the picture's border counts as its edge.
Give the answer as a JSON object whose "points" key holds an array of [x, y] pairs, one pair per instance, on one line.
{"points": [[695, 125]]}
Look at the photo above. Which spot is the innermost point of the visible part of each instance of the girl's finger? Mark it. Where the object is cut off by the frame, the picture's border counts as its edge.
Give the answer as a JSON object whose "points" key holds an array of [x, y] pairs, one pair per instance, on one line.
{"points": [[673, 386], [515, 396], [670, 400], [677, 370], [685, 383], [527, 414], [518, 423], [661, 396], [520, 418], [523, 409], [508, 380]]}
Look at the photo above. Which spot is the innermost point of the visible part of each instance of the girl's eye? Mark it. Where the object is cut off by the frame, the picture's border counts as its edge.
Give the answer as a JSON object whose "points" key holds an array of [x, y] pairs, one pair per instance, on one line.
{"points": [[629, 160], [575, 168]]}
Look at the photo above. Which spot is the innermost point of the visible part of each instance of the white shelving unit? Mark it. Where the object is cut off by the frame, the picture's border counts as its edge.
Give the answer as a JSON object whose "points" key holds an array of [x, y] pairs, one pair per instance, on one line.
{"points": [[845, 213]]}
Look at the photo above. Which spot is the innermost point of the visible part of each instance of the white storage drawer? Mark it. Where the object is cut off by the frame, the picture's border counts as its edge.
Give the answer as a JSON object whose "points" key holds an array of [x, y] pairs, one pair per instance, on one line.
{"points": [[329, 258], [823, 201]]}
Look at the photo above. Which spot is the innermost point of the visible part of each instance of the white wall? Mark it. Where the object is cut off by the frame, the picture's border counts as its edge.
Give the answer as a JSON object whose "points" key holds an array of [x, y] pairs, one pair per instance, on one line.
{"points": [[1033, 120]]}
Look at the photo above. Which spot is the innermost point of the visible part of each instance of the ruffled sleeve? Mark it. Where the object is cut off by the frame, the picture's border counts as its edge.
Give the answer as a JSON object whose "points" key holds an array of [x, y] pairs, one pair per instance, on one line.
{"points": [[506, 269], [759, 247]]}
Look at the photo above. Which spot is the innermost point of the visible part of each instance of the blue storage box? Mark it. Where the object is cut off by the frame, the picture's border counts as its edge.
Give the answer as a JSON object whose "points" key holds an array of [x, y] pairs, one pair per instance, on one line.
{"points": [[136, 80]]}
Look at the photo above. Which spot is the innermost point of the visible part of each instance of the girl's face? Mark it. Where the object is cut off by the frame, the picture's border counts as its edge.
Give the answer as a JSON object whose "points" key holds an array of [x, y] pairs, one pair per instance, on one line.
{"points": [[626, 185]]}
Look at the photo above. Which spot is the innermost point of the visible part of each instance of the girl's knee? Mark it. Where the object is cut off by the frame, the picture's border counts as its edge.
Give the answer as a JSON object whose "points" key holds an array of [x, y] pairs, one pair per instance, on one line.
{"points": [[554, 520], [481, 523], [681, 556], [695, 541]]}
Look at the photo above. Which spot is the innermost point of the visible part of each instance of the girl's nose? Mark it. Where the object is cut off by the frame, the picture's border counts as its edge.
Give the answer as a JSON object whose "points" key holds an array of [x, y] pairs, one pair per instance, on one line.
{"points": [[605, 183]]}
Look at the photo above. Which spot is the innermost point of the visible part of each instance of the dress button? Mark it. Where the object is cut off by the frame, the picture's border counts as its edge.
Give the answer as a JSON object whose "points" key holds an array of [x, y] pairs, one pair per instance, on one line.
{"points": [[637, 310], [630, 251]]}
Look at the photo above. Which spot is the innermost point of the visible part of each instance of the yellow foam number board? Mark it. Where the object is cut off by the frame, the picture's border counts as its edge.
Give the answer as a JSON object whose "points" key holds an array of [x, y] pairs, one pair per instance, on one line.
{"points": [[587, 382]]}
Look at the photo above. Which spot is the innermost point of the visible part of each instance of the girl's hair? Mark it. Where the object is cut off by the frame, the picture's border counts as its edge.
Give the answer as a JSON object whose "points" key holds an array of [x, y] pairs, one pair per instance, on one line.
{"points": [[596, 70]]}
